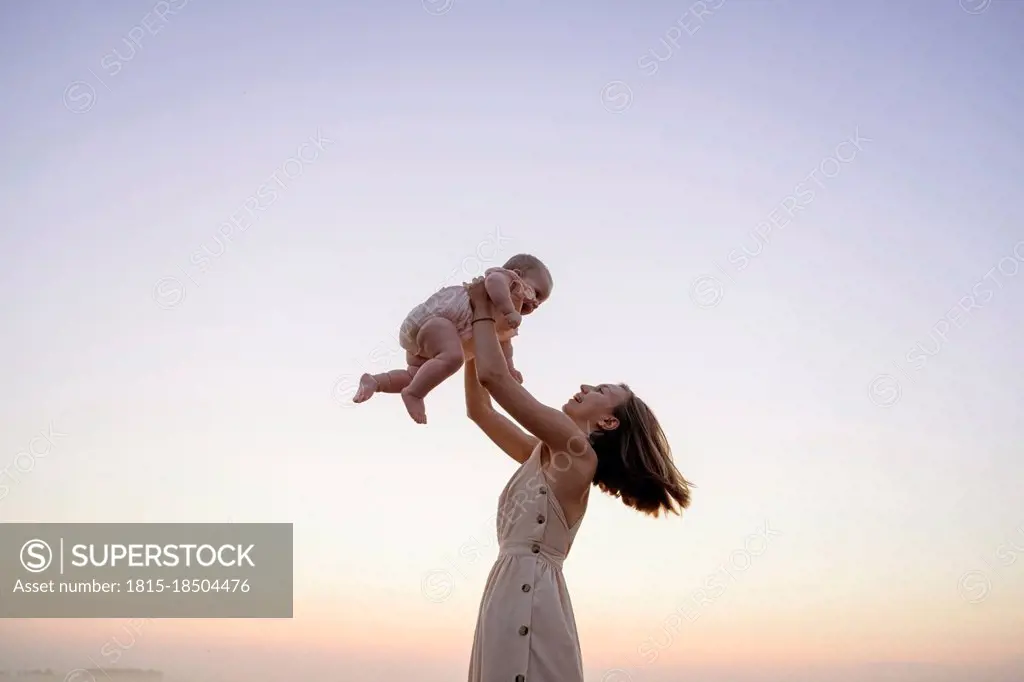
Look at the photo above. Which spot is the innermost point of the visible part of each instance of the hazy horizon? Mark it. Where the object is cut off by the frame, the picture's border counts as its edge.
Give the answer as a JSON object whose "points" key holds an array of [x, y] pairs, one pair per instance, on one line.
{"points": [[794, 228]]}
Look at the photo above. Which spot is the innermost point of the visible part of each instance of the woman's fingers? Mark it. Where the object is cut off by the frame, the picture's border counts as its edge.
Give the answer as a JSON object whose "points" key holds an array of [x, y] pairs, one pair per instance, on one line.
{"points": [[475, 285]]}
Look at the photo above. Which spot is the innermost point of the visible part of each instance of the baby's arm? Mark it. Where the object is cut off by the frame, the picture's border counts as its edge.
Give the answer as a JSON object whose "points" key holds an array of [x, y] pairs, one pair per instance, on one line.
{"points": [[499, 290], [506, 347]]}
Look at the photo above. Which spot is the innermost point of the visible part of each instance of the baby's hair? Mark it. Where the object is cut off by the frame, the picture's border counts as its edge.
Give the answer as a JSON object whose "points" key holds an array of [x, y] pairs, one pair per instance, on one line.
{"points": [[524, 263]]}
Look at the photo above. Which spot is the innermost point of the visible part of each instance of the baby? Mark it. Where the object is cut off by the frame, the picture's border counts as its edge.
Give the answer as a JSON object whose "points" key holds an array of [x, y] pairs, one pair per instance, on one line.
{"points": [[437, 334]]}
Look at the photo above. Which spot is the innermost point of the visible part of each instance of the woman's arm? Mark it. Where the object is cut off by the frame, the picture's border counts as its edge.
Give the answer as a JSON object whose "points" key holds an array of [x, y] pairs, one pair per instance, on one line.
{"points": [[515, 442], [552, 426]]}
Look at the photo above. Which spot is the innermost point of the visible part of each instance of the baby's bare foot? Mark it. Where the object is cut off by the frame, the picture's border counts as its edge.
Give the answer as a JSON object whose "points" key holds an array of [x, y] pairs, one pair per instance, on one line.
{"points": [[417, 410], [367, 387]]}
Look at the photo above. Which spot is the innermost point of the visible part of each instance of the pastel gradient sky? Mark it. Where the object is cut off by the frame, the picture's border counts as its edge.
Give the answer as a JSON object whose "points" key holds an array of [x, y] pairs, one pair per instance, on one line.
{"points": [[831, 332]]}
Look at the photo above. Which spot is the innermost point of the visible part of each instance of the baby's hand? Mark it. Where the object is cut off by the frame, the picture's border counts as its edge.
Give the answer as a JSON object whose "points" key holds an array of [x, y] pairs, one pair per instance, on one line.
{"points": [[513, 319], [517, 375]]}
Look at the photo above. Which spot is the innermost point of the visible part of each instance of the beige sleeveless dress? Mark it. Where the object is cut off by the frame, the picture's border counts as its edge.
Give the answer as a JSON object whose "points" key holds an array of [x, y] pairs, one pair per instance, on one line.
{"points": [[526, 631]]}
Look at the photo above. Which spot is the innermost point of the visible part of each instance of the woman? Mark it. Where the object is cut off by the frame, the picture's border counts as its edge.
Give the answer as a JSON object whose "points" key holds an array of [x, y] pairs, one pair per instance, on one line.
{"points": [[603, 436]]}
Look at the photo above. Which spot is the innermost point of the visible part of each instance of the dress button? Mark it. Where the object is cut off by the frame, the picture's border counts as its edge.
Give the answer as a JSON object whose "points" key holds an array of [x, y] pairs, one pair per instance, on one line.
{"points": [[526, 587], [523, 629], [535, 549], [540, 518], [543, 490], [520, 678]]}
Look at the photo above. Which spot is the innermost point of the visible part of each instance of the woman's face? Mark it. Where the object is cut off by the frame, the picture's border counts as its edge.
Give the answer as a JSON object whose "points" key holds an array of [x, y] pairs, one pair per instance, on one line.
{"points": [[593, 406]]}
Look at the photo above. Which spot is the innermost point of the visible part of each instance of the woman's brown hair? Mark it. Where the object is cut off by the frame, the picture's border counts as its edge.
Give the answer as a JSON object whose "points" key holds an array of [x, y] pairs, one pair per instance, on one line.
{"points": [[634, 462]]}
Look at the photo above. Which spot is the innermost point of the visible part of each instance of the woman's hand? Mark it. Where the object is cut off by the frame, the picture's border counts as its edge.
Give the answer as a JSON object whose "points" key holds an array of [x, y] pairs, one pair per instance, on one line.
{"points": [[478, 297]]}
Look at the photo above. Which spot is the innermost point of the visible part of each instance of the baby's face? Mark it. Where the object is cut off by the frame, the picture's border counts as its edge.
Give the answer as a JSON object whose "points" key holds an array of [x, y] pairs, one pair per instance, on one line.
{"points": [[541, 284]]}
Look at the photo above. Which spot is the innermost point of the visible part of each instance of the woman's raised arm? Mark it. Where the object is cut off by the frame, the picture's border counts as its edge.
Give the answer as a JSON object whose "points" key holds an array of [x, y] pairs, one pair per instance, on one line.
{"points": [[502, 431], [552, 426]]}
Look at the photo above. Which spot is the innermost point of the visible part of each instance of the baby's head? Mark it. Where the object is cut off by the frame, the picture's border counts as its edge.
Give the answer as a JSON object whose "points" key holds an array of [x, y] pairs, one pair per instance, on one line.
{"points": [[535, 274]]}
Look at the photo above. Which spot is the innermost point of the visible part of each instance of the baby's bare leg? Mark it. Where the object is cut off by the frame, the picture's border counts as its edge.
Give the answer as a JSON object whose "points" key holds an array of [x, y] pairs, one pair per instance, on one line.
{"points": [[387, 382], [439, 341]]}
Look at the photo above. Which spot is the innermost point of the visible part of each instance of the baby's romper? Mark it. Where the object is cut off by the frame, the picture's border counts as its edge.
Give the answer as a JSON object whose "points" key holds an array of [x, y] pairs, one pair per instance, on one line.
{"points": [[452, 303]]}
